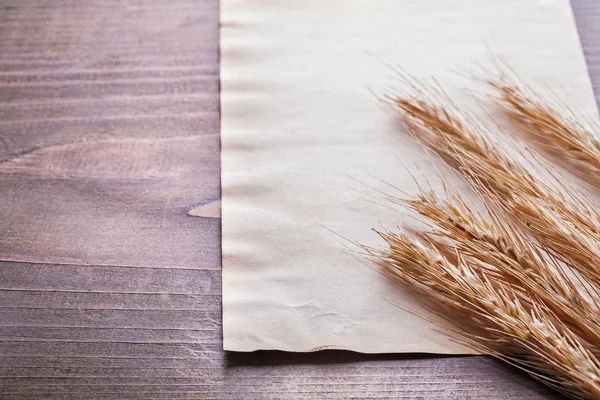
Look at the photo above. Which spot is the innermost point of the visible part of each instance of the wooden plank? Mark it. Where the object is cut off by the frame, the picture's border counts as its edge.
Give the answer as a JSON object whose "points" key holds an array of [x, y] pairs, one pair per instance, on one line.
{"points": [[109, 236], [115, 202]]}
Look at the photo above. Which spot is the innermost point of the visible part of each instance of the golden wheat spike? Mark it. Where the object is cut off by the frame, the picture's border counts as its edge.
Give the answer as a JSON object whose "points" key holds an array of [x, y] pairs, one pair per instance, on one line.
{"points": [[551, 126], [492, 316], [506, 255]]}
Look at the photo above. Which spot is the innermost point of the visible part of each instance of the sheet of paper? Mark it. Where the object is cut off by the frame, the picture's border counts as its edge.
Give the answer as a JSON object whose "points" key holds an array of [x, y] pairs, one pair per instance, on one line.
{"points": [[301, 127]]}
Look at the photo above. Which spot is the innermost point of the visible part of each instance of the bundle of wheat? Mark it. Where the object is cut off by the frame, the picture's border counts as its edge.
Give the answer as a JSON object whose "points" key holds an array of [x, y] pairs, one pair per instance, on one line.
{"points": [[523, 289]]}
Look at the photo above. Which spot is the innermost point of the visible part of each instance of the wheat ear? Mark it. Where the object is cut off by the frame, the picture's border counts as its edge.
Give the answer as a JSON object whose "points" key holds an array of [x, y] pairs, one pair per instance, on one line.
{"points": [[491, 316], [550, 126], [507, 256]]}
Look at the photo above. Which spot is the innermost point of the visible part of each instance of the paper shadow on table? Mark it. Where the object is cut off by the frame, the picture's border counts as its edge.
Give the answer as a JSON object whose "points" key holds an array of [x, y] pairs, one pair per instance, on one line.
{"points": [[459, 369], [275, 357]]}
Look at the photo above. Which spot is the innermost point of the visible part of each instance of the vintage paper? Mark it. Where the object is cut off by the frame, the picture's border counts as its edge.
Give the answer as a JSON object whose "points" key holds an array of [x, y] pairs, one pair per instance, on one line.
{"points": [[301, 128]]}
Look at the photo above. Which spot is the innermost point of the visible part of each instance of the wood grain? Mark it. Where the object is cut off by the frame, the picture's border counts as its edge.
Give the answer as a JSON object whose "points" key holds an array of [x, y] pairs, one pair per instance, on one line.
{"points": [[110, 232]]}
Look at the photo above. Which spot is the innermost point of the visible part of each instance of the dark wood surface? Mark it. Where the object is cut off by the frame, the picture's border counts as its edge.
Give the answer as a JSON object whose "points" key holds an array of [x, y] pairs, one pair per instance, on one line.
{"points": [[109, 226]]}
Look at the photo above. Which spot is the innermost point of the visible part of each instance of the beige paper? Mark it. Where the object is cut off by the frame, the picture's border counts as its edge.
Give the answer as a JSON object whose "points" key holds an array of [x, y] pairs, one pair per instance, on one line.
{"points": [[300, 126]]}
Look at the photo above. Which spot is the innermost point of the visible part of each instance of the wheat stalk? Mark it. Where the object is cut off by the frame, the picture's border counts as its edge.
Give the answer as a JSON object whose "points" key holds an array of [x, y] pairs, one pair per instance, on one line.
{"points": [[492, 316], [553, 129], [564, 221], [507, 256]]}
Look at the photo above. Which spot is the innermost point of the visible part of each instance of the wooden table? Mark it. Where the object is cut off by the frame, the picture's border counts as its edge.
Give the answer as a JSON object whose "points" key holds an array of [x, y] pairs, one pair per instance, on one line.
{"points": [[109, 226]]}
